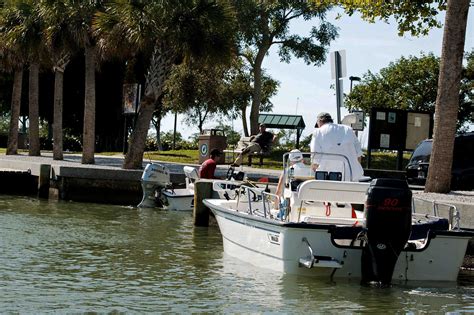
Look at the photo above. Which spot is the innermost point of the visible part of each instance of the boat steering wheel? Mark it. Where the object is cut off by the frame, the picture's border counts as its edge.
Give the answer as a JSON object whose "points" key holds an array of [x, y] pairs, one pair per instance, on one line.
{"points": [[230, 172]]}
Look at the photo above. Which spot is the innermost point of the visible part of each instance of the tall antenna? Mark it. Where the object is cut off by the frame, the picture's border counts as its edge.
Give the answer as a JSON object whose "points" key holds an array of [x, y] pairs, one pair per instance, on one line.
{"points": [[297, 102]]}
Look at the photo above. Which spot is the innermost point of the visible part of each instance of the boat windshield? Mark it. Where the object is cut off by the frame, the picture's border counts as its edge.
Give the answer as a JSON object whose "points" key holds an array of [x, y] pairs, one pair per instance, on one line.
{"points": [[298, 166]]}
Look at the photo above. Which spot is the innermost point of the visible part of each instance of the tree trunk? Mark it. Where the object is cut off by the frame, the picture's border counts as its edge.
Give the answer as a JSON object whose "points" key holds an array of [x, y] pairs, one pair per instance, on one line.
{"points": [[244, 121], [257, 92], [58, 115], [447, 101], [134, 156], [88, 138], [33, 111], [157, 124], [158, 71], [12, 146], [158, 133]]}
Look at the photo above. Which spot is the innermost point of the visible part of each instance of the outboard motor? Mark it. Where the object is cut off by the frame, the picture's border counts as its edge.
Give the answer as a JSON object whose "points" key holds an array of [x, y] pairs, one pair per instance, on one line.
{"points": [[154, 177], [387, 226]]}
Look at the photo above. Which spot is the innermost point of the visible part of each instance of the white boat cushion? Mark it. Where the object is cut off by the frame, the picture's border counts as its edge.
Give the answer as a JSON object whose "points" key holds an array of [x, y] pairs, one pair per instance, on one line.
{"points": [[324, 190]]}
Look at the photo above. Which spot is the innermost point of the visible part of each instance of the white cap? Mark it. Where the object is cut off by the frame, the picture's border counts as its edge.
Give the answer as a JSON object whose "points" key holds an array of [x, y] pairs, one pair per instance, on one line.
{"points": [[296, 155]]}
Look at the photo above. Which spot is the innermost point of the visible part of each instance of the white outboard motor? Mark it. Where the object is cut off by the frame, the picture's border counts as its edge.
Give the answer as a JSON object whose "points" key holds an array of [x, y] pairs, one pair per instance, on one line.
{"points": [[154, 177]]}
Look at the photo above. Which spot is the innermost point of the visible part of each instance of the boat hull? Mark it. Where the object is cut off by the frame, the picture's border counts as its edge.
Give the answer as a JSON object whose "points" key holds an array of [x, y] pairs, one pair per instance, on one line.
{"points": [[278, 246], [178, 199]]}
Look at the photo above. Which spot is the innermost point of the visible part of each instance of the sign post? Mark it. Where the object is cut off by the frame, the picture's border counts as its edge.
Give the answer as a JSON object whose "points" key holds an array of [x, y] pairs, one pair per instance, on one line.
{"points": [[338, 71]]}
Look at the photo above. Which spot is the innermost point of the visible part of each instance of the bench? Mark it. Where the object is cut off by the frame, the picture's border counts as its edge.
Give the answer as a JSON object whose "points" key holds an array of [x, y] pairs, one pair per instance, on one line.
{"points": [[231, 154], [242, 144]]}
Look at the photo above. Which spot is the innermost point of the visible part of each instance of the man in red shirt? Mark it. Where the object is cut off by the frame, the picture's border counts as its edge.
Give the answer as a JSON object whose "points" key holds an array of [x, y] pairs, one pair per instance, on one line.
{"points": [[208, 167]]}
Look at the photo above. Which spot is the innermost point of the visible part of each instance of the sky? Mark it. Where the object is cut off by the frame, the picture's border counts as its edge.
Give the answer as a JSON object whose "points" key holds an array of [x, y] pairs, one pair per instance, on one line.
{"points": [[306, 90]]}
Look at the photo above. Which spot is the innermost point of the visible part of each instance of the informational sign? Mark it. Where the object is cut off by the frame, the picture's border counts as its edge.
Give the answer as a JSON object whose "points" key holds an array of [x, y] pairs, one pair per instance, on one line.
{"points": [[131, 94], [359, 120], [392, 118], [204, 149], [401, 130], [337, 60], [418, 129], [380, 115], [384, 140]]}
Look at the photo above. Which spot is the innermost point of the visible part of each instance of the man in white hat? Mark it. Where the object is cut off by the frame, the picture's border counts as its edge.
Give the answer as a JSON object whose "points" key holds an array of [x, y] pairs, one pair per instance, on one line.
{"points": [[297, 163], [329, 137], [297, 167]]}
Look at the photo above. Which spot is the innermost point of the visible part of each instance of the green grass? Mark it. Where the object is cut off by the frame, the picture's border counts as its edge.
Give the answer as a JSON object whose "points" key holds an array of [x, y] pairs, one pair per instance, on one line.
{"points": [[380, 160], [178, 156]]}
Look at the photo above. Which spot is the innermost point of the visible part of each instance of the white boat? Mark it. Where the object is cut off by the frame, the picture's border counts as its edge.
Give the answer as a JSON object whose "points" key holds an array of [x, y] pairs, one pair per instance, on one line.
{"points": [[158, 190], [320, 232]]}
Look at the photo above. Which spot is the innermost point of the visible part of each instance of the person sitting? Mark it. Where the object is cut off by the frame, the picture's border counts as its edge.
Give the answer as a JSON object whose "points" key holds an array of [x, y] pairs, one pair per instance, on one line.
{"points": [[258, 144], [296, 167], [208, 167]]}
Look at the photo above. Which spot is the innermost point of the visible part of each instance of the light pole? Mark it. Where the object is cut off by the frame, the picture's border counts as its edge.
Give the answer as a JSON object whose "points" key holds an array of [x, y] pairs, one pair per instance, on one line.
{"points": [[352, 78]]}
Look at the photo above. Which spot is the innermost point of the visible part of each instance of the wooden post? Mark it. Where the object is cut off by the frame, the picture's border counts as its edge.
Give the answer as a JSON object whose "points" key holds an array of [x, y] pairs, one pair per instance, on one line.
{"points": [[43, 180], [202, 190]]}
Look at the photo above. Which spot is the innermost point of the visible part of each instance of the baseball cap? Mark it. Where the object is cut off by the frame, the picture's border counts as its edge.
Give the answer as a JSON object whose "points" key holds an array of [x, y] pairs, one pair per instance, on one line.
{"points": [[322, 116], [296, 155]]}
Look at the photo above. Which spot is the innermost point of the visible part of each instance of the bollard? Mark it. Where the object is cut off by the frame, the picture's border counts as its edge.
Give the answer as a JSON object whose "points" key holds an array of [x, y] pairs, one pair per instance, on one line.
{"points": [[43, 180], [202, 190]]}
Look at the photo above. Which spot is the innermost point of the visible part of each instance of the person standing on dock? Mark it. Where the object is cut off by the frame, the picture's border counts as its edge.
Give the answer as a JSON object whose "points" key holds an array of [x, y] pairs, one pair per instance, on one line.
{"points": [[208, 167], [329, 137]]}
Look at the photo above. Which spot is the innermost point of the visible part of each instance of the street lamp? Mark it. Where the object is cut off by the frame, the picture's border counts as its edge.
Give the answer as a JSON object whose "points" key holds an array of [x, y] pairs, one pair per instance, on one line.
{"points": [[352, 78]]}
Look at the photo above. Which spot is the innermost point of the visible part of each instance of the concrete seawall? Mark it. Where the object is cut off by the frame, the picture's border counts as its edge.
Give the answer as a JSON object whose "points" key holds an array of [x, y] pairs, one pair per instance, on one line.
{"points": [[102, 182]]}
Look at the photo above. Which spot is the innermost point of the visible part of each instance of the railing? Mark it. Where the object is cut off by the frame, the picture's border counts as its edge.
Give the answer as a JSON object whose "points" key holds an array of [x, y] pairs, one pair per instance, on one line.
{"points": [[322, 157], [454, 215], [257, 194]]}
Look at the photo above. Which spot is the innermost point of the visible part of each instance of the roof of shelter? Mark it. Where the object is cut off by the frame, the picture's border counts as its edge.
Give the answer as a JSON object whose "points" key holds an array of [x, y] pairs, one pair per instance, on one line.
{"points": [[282, 121]]}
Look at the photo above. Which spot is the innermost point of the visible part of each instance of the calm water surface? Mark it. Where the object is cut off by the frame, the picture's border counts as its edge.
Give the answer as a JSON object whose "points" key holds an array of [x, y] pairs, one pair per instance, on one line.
{"points": [[76, 258]]}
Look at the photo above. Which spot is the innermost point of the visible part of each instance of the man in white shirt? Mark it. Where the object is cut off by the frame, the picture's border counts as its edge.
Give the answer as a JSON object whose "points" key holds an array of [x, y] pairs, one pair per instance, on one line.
{"points": [[336, 139]]}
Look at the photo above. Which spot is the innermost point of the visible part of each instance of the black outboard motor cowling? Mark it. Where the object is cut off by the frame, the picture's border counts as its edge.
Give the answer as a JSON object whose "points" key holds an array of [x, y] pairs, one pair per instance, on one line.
{"points": [[388, 226]]}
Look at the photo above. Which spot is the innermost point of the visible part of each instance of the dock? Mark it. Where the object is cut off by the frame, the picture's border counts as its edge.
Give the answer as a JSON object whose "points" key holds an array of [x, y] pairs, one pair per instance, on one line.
{"points": [[102, 182], [106, 181]]}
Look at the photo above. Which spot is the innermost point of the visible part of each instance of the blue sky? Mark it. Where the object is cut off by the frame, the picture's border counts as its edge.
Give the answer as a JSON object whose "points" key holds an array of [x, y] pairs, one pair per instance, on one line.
{"points": [[305, 90]]}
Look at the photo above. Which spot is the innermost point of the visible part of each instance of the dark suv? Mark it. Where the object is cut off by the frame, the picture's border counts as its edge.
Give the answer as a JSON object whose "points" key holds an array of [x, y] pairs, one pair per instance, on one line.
{"points": [[463, 163]]}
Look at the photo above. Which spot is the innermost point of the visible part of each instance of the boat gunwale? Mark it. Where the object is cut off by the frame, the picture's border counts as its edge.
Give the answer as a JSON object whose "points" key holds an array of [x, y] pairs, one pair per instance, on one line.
{"points": [[329, 227]]}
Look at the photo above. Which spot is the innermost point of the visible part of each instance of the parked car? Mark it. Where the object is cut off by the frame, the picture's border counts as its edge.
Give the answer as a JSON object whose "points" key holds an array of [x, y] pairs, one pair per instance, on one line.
{"points": [[463, 163]]}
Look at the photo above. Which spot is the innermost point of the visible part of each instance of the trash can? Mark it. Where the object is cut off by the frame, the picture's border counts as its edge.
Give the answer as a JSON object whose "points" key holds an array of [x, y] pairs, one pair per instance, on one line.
{"points": [[212, 139], [22, 140]]}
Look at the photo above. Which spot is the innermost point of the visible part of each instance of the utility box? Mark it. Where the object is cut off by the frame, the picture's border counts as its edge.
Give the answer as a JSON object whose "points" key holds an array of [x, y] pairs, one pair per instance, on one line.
{"points": [[211, 139]]}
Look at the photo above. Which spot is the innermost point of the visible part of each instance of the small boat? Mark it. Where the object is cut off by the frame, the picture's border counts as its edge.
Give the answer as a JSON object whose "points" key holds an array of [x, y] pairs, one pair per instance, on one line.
{"points": [[158, 190], [328, 227]]}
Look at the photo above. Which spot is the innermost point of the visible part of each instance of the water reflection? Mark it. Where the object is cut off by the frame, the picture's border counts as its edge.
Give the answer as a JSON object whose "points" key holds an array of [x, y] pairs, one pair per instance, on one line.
{"points": [[74, 258]]}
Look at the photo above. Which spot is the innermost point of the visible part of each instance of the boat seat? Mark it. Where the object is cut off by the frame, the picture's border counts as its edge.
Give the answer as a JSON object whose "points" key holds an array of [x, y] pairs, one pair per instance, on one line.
{"points": [[324, 190], [192, 175], [191, 172], [420, 230]]}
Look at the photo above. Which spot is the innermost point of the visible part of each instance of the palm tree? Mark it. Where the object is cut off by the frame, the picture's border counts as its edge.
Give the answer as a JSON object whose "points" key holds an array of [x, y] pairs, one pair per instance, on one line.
{"points": [[168, 31], [60, 37], [11, 62], [80, 15], [447, 101], [21, 34]]}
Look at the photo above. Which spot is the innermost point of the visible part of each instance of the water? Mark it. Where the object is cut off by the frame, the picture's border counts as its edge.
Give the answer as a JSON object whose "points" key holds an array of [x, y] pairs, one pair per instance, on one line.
{"points": [[86, 258]]}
